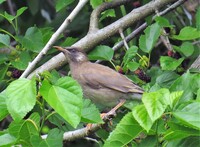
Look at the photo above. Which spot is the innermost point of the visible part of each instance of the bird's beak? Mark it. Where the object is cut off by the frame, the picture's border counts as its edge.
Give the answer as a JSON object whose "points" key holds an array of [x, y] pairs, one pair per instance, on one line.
{"points": [[60, 48]]}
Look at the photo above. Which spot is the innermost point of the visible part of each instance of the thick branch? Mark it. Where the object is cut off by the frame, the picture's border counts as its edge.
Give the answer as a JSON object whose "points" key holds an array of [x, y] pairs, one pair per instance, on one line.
{"points": [[94, 18], [54, 38], [92, 39]]}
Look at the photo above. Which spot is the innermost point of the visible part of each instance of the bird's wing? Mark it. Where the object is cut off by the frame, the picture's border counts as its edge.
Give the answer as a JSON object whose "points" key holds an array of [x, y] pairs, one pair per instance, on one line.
{"points": [[97, 75]]}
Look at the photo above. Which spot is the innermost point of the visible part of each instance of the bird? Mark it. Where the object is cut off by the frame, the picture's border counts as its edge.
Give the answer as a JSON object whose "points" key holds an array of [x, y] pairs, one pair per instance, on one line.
{"points": [[101, 84]]}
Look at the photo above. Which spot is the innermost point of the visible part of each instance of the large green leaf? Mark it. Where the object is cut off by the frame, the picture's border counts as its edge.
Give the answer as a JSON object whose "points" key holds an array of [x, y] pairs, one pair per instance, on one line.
{"points": [[177, 131], [189, 115], [54, 139], [33, 39], [169, 63], [21, 99], [166, 79], [147, 41], [5, 40], [140, 114], [23, 130], [3, 107], [188, 83], [156, 103], [65, 97], [90, 113], [101, 52], [126, 130], [188, 33]]}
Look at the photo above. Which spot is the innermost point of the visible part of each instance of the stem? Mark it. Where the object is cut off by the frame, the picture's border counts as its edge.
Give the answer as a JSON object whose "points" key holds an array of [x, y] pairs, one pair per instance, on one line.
{"points": [[1, 30], [43, 116], [128, 31], [112, 64]]}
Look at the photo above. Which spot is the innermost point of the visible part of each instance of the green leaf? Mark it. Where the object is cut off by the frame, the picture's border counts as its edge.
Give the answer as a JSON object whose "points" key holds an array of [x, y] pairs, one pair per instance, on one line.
{"points": [[60, 4], [3, 71], [54, 139], [20, 11], [127, 129], [140, 114], [21, 99], [101, 52], [130, 53], [47, 32], [166, 79], [33, 6], [65, 97], [90, 113], [187, 142], [149, 141], [1, 1], [189, 115], [10, 18], [107, 13], [187, 49], [22, 62], [187, 33], [33, 40], [95, 3], [132, 66], [147, 41], [7, 140], [174, 98], [169, 63], [3, 107], [5, 40], [163, 22], [23, 130], [198, 94], [197, 18], [188, 83], [155, 103], [35, 117], [177, 131]]}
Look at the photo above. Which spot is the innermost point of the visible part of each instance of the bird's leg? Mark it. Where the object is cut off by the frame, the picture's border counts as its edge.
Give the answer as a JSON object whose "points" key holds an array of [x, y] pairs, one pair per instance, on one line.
{"points": [[111, 112]]}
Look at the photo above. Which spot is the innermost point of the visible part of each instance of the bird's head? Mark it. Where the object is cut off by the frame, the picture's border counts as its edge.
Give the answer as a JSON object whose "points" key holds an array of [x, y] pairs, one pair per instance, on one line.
{"points": [[73, 54]]}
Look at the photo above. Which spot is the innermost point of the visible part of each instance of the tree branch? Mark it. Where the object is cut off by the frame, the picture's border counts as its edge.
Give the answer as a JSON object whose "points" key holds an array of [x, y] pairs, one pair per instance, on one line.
{"points": [[92, 39], [54, 38], [94, 18], [83, 132]]}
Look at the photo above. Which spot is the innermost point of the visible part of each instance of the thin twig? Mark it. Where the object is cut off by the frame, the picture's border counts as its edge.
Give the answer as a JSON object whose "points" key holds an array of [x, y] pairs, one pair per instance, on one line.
{"points": [[54, 37], [94, 18], [123, 38]]}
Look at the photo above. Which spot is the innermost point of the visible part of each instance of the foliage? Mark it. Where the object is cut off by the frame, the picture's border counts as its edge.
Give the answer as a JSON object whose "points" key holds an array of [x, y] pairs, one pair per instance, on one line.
{"points": [[168, 114]]}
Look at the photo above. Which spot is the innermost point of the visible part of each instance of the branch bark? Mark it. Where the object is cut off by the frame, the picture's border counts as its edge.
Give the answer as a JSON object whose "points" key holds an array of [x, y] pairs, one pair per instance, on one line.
{"points": [[92, 39], [54, 37]]}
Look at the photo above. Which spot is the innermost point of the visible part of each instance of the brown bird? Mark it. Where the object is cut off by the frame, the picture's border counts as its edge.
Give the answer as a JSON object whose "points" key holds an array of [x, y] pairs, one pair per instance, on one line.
{"points": [[101, 84]]}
